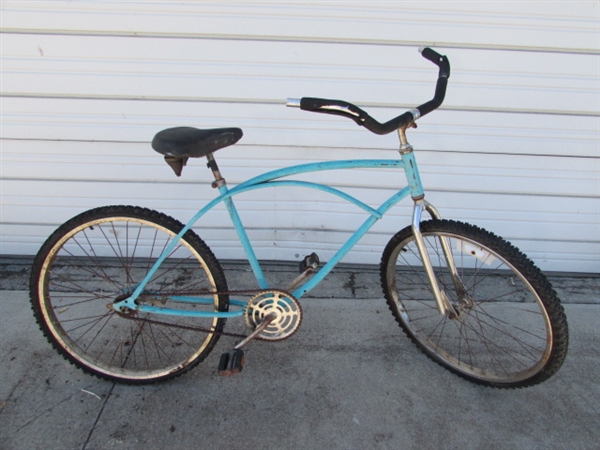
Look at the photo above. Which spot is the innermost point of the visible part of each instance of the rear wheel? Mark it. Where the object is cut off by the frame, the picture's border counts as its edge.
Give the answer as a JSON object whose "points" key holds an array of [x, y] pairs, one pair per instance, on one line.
{"points": [[100, 256], [511, 330]]}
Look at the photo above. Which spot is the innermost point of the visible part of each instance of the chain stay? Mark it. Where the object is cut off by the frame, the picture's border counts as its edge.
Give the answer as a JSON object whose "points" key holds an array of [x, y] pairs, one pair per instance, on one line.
{"points": [[253, 292]]}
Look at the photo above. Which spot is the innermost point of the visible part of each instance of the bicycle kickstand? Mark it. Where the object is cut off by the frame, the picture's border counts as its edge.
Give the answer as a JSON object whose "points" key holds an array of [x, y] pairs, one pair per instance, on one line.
{"points": [[232, 363]]}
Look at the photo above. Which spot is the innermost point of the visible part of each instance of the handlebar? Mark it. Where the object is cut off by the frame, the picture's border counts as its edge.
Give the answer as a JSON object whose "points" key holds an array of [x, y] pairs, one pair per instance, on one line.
{"points": [[345, 109]]}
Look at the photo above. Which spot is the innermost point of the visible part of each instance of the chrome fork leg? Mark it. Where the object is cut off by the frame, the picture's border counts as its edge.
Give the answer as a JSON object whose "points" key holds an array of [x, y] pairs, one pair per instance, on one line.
{"points": [[444, 305], [456, 280]]}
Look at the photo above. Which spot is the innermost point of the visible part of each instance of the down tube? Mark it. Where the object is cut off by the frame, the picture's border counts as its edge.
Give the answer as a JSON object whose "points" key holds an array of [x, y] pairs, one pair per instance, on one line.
{"points": [[358, 234]]}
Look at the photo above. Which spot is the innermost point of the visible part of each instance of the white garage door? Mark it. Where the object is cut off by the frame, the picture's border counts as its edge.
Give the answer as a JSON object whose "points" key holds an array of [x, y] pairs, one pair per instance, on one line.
{"points": [[515, 148]]}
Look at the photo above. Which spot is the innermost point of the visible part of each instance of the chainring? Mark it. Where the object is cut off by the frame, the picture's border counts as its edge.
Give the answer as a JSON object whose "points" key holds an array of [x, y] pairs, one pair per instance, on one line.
{"points": [[287, 310]]}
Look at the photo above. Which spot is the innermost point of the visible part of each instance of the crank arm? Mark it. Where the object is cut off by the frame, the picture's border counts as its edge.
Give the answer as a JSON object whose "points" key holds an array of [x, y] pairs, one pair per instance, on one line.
{"points": [[259, 329], [232, 363]]}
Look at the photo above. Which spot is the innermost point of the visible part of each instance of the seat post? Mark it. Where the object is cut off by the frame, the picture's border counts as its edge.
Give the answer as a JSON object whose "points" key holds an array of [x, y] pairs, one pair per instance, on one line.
{"points": [[212, 165]]}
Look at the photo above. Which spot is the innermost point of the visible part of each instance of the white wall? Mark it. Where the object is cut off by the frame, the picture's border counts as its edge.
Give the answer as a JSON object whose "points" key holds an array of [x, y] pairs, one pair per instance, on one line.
{"points": [[515, 148]]}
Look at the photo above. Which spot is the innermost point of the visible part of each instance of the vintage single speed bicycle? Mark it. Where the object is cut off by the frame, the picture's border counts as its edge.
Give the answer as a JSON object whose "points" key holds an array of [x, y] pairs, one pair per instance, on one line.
{"points": [[133, 295]]}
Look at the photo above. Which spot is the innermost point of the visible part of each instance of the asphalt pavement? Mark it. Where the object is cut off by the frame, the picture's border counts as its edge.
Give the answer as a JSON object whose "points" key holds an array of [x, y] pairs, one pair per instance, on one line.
{"points": [[349, 379]]}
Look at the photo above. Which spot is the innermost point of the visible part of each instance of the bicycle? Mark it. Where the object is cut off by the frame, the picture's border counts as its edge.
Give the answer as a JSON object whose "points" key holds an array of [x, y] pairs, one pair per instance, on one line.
{"points": [[133, 295]]}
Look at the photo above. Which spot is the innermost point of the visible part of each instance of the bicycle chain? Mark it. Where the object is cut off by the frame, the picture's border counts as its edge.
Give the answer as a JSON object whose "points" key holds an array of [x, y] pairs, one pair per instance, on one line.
{"points": [[197, 328]]}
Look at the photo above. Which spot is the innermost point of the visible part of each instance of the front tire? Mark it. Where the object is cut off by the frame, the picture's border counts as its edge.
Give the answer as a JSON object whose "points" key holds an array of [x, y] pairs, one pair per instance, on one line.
{"points": [[511, 330], [100, 256]]}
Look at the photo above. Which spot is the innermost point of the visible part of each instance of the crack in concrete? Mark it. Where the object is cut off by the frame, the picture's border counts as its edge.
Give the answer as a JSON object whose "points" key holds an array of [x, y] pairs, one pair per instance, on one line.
{"points": [[89, 436]]}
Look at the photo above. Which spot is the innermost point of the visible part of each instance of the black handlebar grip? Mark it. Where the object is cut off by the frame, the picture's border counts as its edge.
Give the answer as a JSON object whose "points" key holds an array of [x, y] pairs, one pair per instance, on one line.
{"points": [[439, 60], [345, 109], [335, 107], [438, 98]]}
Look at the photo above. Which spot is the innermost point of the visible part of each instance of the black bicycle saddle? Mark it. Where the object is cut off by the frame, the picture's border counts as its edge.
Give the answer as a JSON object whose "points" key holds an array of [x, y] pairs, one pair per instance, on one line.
{"points": [[180, 143]]}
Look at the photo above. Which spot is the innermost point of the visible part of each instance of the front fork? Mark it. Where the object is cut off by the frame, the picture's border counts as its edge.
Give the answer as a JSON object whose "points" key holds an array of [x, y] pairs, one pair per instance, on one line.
{"points": [[444, 305], [417, 193]]}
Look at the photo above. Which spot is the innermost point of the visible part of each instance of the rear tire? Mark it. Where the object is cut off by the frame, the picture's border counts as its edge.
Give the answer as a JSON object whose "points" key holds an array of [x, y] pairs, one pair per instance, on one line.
{"points": [[511, 331], [103, 254]]}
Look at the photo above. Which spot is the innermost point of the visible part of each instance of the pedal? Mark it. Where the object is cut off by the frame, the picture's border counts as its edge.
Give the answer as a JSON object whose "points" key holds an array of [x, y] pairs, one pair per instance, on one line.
{"points": [[310, 262], [231, 363], [307, 266]]}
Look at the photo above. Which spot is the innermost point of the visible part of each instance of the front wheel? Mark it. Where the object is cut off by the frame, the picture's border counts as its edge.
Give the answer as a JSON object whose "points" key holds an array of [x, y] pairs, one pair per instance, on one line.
{"points": [[100, 257], [510, 329]]}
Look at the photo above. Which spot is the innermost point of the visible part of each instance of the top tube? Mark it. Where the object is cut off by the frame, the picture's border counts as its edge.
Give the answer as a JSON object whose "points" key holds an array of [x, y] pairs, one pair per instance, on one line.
{"points": [[317, 167]]}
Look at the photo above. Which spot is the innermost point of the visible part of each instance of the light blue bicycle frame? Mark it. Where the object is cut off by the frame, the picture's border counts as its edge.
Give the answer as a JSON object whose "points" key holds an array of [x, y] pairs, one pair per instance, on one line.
{"points": [[272, 179]]}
